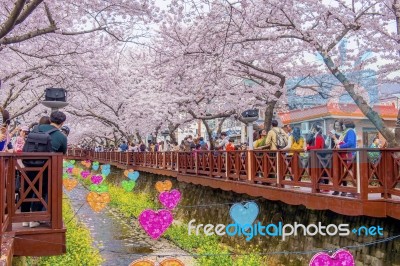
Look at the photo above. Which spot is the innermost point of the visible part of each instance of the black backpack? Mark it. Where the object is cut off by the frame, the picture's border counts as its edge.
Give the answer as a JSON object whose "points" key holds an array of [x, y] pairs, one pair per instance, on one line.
{"points": [[37, 142]]}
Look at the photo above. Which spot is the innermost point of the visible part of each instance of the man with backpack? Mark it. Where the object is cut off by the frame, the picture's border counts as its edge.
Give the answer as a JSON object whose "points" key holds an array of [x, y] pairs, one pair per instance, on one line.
{"points": [[276, 138], [43, 138]]}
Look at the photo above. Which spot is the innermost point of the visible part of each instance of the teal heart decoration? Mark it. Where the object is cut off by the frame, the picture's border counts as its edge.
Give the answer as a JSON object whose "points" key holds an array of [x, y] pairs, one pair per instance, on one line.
{"points": [[133, 175], [95, 167], [105, 172], [128, 185], [244, 214]]}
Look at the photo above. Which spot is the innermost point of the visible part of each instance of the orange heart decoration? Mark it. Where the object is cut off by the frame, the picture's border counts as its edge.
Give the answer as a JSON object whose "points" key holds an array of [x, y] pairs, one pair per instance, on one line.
{"points": [[165, 185], [172, 262], [86, 164], [126, 172], [76, 171], [70, 184], [98, 201], [142, 262]]}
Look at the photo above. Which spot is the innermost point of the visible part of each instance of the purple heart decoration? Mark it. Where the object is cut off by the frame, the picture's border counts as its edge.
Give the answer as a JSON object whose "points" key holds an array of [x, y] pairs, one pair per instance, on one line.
{"points": [[339, 258], [96, 179], [169, 199], [69, 170], [155, 223], [85, 174]]}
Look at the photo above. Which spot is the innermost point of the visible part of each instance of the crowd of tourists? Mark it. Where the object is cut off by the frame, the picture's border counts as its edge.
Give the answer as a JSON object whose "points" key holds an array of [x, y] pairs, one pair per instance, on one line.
{"points": [[46, 135]]}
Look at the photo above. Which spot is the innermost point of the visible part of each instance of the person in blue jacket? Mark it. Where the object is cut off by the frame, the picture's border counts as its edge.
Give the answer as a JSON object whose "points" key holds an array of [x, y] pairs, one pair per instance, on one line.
{"points": [[348, 140]]}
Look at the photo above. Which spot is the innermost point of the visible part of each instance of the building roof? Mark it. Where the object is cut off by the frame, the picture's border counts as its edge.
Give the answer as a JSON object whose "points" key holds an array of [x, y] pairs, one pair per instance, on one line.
{"points": [[335, 110]]}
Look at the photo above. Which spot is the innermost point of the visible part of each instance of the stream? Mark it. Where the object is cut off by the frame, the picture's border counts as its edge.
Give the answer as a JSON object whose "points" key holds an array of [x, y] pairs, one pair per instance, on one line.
{"points": [[121, 241]]}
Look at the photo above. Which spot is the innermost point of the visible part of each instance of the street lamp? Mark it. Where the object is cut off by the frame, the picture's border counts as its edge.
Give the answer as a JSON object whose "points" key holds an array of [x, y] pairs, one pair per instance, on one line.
{"points": [[165, 133], [250, 116], [55, 98]]}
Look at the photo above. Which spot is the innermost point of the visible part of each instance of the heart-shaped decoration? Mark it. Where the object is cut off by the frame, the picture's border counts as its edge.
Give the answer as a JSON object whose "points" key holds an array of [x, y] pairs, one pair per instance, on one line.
{"points": [[98, 188], [69, 170], [85, 173], [98, 201], [128, 185], [244, 214], [65, 164], [155, 223], [126, 172], [95, 167], [105, 172], [169, 199], [105, 166], [171, 262], [86, 163], [133, 175], [165, 185], [340, 258], [72, 161], [96, 179], [65, 176], [76, 171], [70, 184], [142, 262]]}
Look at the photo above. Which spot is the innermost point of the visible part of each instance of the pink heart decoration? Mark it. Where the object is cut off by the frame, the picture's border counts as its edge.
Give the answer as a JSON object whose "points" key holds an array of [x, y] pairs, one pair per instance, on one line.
{"points": [[169, 199], [96, 179], [339, 258], [69, 170], [85, 174], [155, 223]]}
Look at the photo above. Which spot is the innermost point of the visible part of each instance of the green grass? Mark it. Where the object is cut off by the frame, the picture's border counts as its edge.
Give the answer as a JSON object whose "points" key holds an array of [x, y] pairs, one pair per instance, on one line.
{"points": [[79, 245]]}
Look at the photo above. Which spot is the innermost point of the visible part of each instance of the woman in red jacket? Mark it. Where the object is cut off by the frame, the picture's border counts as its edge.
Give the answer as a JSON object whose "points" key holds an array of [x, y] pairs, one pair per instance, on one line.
{"points": [[318, 142]]}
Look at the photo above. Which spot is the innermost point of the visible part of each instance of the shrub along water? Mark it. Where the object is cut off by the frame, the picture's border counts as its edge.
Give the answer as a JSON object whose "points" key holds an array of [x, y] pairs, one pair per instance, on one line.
{"points": [[80, 250]]}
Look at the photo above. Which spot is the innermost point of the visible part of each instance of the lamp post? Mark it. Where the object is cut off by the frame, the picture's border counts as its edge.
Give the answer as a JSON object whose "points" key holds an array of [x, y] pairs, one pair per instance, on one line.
{"points": [[250, 116], [55, 98], [165, 133]]}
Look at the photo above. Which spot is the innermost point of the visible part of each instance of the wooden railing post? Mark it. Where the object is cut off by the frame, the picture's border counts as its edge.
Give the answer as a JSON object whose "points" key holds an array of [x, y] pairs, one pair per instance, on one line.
{"points": [[56, 191], [227, 164], [314, 171], [10, 188], [389, 172], [250, 165], [362, 174]]}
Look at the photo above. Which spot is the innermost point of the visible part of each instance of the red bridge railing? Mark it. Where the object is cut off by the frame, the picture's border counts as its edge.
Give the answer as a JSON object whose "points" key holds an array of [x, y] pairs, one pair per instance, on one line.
{"points": [[353, 171], [40, 179]]}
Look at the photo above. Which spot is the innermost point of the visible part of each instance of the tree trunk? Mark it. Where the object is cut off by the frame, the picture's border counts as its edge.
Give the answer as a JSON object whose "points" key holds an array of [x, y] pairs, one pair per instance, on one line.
{"points": [[209, 133], [219, 127], [269, 115], [139, 138], [360, 102], [172, 128]]}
